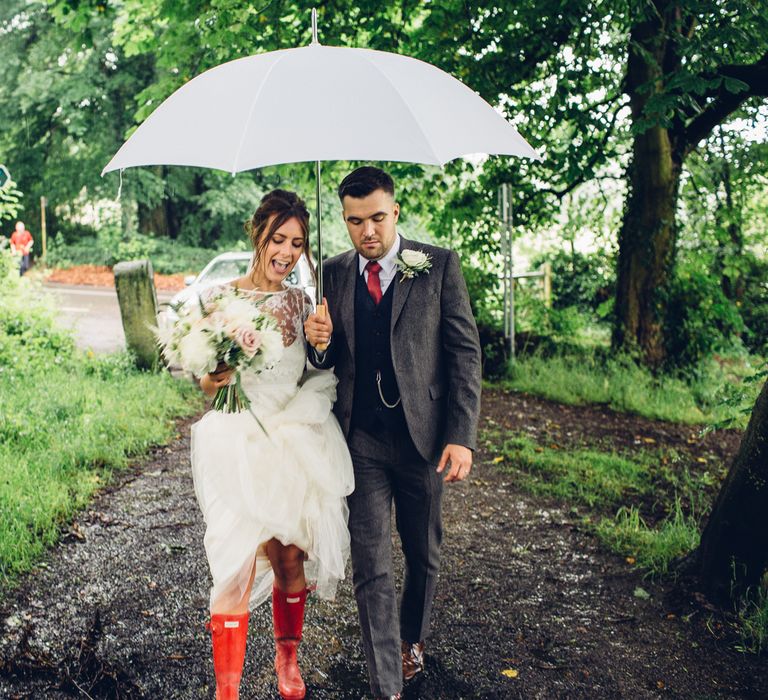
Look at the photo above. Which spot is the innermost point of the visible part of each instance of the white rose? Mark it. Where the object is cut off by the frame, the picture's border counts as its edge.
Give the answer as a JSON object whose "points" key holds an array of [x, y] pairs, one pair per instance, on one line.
{"points": [[196, 353], [271, 346], [238, 313], [413, 258]]}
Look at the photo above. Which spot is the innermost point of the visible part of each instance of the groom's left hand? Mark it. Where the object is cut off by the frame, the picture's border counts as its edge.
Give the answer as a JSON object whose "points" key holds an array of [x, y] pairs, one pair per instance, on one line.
{"points": [[458, 459]]}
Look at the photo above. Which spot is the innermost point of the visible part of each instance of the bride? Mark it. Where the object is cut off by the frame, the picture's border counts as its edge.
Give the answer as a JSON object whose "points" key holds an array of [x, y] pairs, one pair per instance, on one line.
{"points": [[274, 499]]}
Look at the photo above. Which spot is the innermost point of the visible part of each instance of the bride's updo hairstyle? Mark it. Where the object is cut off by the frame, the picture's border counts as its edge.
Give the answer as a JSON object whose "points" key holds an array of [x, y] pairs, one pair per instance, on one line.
{"points": [[282, 205]]}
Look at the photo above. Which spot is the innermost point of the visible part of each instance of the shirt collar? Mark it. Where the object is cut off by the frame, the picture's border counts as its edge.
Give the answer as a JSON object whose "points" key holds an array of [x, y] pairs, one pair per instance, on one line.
{"points": [[387, 262]]}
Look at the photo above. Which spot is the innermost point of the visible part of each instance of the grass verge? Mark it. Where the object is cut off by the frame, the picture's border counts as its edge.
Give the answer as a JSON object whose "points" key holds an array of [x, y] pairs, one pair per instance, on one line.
{"points": [[63, 431], [753, 623], [67, 420], [624, 386], [612, 492], [653, 548], [605, 482]]}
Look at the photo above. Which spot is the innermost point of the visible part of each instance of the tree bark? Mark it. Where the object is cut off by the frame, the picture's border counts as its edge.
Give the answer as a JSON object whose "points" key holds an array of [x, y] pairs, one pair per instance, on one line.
{"points": [[648, 236], [647, 243], [161, 219], [733, 553], [153, 220]]}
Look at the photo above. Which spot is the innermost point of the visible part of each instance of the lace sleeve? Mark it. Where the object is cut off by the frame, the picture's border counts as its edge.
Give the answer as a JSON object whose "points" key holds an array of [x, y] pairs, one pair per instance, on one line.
{"points": [[290, 309], [308, 306]]}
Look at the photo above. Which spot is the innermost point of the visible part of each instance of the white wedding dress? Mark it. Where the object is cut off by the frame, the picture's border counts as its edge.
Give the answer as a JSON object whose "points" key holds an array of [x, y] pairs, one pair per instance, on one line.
{"points": [[289, 483]]}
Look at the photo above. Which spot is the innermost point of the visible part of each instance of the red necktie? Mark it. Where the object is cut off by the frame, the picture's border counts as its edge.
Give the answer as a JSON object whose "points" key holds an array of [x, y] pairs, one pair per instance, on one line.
{"points": [[374, 283]]}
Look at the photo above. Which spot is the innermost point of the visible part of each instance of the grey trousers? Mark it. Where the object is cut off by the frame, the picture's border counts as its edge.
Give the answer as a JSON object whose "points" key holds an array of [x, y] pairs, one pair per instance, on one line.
{"points": [[388, 468]]}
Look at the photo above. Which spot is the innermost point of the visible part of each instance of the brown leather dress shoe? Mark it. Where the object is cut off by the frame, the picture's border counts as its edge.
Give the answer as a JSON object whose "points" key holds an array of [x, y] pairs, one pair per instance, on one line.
{"points": [[413, 659]]}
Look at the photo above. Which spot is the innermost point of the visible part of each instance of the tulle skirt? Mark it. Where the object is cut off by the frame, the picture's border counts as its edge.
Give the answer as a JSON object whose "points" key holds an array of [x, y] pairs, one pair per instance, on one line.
{"points": [[289, 483]]}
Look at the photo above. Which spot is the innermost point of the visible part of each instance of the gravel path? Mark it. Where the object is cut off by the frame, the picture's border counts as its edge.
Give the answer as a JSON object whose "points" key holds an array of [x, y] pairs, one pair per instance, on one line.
{"points": [[528, 607]]}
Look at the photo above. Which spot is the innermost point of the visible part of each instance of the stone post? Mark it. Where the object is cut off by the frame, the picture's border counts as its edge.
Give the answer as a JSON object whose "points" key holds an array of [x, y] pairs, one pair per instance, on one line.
{"points": [[134, 282]]}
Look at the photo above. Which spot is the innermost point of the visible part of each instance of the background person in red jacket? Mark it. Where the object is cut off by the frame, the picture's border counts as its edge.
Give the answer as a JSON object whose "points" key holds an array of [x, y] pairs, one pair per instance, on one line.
{"points": [[21, 244]]}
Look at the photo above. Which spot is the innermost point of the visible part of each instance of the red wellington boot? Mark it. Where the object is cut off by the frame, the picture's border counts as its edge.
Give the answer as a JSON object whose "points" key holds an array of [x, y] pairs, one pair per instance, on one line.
{"points": [[288, 618], [228, 634]]}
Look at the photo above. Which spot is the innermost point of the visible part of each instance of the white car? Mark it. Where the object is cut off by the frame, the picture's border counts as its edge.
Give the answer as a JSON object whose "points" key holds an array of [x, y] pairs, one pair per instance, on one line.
{"points": [[226, 267]]}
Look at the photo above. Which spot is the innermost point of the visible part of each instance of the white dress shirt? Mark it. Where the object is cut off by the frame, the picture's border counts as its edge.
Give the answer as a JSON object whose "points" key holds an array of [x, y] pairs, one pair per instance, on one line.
{"points": [[388, 265], [387, 273]]}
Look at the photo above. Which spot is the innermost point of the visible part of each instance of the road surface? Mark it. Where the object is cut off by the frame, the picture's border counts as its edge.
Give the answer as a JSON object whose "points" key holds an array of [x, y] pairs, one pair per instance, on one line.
{"points": [[93, 313]]}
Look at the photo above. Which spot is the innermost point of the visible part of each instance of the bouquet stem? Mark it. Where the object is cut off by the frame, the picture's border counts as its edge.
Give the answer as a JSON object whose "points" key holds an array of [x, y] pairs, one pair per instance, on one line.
{"points": [[232, 399]]}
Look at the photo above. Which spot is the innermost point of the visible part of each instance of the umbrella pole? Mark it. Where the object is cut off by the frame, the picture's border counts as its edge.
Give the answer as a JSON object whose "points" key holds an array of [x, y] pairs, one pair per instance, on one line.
{"points": [[319, 286], [319, 269]]}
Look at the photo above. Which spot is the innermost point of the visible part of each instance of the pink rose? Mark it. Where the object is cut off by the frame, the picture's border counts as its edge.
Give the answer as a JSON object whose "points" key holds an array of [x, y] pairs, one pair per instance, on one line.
{"points": [[249, 340]]}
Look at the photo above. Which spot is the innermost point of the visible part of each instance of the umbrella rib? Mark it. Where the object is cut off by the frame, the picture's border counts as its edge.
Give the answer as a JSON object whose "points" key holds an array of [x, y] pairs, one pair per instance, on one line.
{"points": [[404, 101], [251, 110]]}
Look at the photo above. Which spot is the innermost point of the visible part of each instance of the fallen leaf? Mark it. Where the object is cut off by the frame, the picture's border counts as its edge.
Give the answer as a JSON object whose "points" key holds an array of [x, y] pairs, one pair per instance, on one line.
{"points": [[660, 685], [497, 460], [630, 560], [641, 593], [649, 440], [13, 621], [701, 460], [510, 673]]}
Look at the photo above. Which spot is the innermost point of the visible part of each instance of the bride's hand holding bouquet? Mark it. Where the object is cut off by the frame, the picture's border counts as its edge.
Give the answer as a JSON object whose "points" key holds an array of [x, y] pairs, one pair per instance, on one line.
{"points": [[213, 381], [219, 337]]}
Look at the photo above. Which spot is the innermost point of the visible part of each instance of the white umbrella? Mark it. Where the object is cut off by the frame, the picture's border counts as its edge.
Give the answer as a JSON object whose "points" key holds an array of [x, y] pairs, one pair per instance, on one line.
{"points": [[319, 103]]}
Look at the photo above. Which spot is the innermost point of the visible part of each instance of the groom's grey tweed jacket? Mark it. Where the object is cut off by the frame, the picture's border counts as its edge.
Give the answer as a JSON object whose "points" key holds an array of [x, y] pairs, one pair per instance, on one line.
{"points": [[435, 348]]}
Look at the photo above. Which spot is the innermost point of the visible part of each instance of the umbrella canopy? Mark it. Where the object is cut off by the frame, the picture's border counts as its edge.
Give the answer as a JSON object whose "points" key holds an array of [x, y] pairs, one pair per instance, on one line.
{"points": [[319, 103]]}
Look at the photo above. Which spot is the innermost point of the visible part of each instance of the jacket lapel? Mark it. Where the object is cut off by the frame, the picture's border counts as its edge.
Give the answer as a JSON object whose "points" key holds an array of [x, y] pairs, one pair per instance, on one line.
{"points": [[402, 288], [346, 297]]}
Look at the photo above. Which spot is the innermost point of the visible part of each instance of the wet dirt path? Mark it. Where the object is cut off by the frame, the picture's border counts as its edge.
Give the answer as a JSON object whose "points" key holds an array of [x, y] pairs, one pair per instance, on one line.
{"points": [[528, 606]]}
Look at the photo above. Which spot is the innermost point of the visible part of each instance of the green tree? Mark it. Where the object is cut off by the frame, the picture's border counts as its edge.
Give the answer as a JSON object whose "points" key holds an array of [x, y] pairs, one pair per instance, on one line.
{"points": [[64, 98], [607, 90], [10, 201], [691, 66]]}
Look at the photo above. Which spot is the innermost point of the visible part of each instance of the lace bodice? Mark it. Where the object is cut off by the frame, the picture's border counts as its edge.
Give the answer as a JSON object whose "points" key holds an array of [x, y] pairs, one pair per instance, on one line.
{"points": [[290, 309]]}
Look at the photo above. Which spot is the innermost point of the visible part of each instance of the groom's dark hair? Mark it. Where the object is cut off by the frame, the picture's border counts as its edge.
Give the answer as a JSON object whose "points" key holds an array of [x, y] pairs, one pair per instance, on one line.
{"points": [[362, 181]]}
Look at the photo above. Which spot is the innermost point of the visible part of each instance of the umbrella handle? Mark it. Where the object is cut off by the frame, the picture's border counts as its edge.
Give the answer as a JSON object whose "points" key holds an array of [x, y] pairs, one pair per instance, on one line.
{"points": [[320, 311]]}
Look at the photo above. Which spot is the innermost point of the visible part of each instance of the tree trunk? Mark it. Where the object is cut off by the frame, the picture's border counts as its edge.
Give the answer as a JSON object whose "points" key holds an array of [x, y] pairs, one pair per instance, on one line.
{"points": [[733, 553], [152, 220], [647, 247], [159, 220], [648, 235]]}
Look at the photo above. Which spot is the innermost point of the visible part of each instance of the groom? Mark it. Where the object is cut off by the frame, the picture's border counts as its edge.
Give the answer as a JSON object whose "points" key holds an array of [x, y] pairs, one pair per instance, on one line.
{"points": [[405, 349]]}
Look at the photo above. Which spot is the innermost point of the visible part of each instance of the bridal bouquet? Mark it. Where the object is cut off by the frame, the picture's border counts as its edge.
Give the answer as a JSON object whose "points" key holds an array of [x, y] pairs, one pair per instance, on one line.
{"points": [[223, 327]]}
